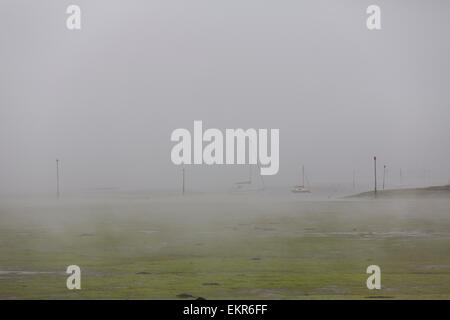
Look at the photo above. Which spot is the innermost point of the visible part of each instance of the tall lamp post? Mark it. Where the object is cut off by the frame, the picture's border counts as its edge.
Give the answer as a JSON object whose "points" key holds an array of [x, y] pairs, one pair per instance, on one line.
{"points": [[375, 171], [57, 178]]}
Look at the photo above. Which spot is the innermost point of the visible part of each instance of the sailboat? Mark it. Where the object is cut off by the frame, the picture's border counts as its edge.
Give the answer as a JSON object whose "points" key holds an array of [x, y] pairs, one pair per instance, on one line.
{"points": [[248, 185], [301, 188]]}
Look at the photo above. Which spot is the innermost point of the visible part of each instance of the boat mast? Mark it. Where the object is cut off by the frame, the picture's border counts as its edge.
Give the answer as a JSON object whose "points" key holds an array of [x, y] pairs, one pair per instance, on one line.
{"points": [[303, 176], [354, 179]]}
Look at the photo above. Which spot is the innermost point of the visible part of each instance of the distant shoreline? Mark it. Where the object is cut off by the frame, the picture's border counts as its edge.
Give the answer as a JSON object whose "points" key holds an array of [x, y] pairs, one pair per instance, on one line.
{"points": [[428, 192]]}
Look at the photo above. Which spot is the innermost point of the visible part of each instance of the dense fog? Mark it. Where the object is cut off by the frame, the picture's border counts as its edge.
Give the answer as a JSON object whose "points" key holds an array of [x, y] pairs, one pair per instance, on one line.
{"points": [[105, 99]]}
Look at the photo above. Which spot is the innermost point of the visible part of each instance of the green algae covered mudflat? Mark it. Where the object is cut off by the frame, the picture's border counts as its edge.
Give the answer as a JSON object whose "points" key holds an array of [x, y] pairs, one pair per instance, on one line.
{"points": [[224, 247]]}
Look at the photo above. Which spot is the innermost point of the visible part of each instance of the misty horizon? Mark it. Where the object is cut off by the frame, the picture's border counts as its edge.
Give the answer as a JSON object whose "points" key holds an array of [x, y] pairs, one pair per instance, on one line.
{"points": [[105, 99]]}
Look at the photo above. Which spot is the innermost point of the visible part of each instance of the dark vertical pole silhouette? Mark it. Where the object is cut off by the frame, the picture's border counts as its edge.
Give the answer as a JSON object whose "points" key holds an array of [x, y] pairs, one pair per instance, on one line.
{"points": [[261, 177], [375, 170], [183, 186], [354, 180], [384, 175], [303, 176], [57, 178]]}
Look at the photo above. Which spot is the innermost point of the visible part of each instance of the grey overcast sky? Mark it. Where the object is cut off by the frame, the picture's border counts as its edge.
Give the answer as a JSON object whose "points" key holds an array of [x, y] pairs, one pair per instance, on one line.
{"points": [[105, 99]]}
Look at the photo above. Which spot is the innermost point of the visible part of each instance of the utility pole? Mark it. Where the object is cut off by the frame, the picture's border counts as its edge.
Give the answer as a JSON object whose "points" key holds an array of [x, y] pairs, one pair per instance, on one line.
{"points": [[384, 175], [57, 178], [375, 170]]}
